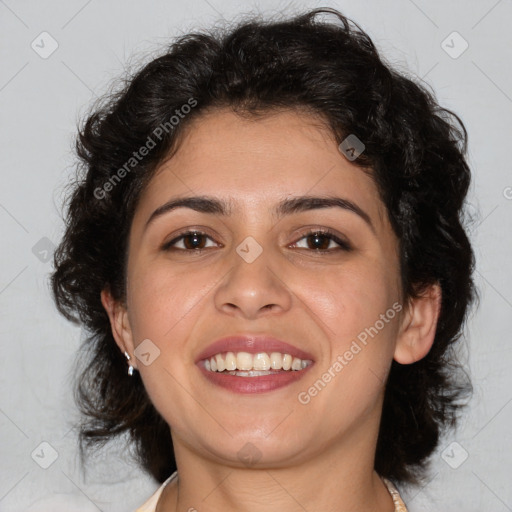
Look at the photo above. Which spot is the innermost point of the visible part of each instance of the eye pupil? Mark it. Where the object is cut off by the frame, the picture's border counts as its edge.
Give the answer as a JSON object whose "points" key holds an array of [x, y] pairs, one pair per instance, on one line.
{"points": [[316, 237], [193, 237]]}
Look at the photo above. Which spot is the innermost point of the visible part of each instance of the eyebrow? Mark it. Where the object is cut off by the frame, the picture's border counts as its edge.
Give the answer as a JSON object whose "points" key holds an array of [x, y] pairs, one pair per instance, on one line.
{"points": [[215, 206]]}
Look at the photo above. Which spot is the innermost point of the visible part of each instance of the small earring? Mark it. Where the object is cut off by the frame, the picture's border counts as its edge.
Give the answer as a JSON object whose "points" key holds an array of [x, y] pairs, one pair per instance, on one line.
{"points": [[130, 367]]}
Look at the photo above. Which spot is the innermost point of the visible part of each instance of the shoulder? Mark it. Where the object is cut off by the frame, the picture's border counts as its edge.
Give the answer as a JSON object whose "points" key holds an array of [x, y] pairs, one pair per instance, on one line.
{"points": [[150, 504]]}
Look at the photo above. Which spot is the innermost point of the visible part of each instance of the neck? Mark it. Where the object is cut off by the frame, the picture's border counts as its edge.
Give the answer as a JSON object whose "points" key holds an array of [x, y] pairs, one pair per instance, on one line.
{"points": [[341, 479]]}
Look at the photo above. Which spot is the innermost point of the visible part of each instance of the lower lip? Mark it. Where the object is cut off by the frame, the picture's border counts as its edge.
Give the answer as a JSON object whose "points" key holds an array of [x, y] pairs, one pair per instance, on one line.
{"points": [[248, 385]]}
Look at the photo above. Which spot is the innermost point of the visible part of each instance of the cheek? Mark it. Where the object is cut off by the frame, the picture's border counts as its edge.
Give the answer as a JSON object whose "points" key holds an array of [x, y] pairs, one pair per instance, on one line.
{"points": [[164, 308], [161, 298], [355, 306], [348, 299]]}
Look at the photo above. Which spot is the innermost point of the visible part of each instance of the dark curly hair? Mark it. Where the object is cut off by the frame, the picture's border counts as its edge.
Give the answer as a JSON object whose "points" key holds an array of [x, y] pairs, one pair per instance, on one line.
{"points": [[414, 149]]}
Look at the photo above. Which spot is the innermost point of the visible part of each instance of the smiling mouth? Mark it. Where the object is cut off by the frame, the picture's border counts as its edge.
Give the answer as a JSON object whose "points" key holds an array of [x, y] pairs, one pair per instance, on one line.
{"points": [[246, 373], [245, 364]]}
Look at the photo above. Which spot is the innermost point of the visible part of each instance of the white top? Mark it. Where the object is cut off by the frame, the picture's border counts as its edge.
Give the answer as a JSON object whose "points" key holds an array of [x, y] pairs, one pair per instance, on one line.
{"points": [[150, 505]]}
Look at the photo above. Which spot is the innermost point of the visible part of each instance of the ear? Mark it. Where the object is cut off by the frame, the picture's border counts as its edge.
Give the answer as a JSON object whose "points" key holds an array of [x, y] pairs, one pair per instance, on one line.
{"points": [[418, 327], [119, 324]]}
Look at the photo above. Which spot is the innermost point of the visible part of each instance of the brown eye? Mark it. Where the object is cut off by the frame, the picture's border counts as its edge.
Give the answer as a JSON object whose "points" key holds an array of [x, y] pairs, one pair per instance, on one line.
{"points": [[318, 241], [323, 241], [188, 241]]}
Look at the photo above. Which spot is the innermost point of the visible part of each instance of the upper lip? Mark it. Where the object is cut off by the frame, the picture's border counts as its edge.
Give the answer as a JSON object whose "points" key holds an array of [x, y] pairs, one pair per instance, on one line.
{"points": [[252, 343]]}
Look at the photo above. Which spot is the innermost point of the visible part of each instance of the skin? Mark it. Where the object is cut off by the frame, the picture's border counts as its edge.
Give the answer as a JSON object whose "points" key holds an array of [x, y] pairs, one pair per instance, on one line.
{"points": [[314, 456]]}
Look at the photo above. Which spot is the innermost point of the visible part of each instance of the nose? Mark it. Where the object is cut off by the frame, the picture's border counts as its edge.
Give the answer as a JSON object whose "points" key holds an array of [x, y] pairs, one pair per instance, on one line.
{"points": [[250, 290]]}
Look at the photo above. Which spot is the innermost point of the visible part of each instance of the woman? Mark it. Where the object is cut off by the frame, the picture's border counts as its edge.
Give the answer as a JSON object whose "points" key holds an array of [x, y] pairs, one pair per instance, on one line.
{"points": [[266, 247]]}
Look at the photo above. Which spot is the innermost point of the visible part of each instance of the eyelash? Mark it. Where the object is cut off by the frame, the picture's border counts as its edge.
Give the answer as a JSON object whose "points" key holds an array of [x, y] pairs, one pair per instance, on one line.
{"points": [[324, 232]]}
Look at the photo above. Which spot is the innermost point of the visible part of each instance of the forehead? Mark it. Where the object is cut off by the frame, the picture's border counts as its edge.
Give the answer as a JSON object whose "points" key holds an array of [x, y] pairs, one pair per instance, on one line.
{"points": [[252, 162]]}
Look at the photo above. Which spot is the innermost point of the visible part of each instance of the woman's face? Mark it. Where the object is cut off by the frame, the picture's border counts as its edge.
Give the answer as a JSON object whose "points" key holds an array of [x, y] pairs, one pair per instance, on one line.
{"points": [[262, 274]]}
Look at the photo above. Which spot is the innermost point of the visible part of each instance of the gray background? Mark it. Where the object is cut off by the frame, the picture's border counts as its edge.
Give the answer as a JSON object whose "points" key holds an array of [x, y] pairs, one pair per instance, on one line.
{"points": [[40, 101]]}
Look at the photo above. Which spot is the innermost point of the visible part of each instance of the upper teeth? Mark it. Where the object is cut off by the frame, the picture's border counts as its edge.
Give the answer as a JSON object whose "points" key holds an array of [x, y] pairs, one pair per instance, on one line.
{"points": [[260, 361]]}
